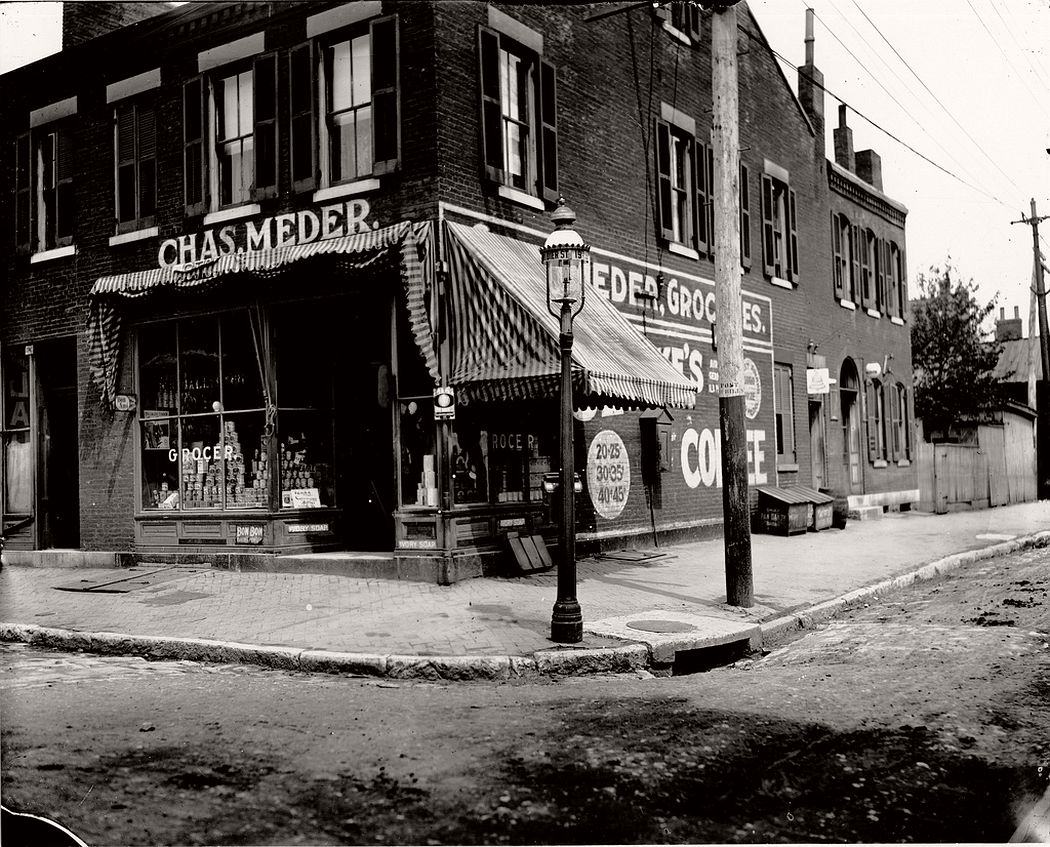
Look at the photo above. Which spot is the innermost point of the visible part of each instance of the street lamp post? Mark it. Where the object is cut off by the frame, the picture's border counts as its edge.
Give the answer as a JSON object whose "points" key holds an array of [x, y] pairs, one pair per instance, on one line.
{"points": [[568, 263]]}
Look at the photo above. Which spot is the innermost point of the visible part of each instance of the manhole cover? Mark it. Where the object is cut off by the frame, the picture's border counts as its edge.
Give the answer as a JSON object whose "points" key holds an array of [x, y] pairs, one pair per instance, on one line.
{"points": [[661, 626]]}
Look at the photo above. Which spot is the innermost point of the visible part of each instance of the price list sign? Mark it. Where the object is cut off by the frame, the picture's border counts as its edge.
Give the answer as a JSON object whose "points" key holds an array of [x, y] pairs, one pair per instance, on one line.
{"points": [[608, 474]]}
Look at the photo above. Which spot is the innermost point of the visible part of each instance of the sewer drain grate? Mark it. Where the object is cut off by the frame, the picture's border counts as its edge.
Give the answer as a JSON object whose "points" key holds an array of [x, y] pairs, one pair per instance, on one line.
{"points": [[661, 626]]}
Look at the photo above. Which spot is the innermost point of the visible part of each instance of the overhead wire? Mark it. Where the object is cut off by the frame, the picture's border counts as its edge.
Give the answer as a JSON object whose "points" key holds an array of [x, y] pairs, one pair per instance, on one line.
{"points": [[937, 99], [1009, 31], [920, 124]]}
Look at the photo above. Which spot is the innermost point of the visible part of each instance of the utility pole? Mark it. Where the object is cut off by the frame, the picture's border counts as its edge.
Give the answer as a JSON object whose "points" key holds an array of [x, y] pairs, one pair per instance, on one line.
{"points": [[1042, 386], [728, 327]]}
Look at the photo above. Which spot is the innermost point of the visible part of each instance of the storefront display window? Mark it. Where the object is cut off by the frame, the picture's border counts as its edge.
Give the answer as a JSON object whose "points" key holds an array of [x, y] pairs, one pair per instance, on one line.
{"points": [[202, 416], [418, 452], [17, 447]]}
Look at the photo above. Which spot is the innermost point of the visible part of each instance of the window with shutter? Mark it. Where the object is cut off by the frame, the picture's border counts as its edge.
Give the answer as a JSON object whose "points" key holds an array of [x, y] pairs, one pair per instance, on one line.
{"points": [[867, 267], [837, 271], [55, 200], [779, 227], [871, 398], [663, 178], [769, 257], [702, 240], [792, 237], [136, 166], [895, 422], [519, 127], [855, 263]]}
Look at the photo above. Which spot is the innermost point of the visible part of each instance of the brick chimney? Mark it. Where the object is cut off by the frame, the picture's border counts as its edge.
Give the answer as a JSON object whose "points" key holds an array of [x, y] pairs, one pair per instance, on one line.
{"points": [[83, 20], [1008, 329], [843, 137], [869, 168], [811, 87]]}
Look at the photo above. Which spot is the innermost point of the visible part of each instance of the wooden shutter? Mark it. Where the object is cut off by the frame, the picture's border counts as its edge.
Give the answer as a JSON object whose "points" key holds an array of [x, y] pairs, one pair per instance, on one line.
{"points": [[885, 277], [125, 164], [866, 271], [491, 115], [23, 193], [692, 19], [65, 201], [264, 94], [745, 217], [709, 156], [856, 283], [663, 179], [147, 163], [386, 106], [895, 422], [870, 401], [836, 255], [768, 253], [302, 95], [548, 148], [792, 237], [702, 213], [904, 283], [195, 154]]}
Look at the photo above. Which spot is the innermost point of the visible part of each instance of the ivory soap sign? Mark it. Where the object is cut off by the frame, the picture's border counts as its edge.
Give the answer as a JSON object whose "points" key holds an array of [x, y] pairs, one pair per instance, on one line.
{"points": [[608, 474]]}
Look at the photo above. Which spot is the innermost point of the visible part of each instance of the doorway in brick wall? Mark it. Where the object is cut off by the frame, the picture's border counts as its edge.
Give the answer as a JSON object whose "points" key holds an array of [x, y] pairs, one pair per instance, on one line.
{"points": [[58, 453]]}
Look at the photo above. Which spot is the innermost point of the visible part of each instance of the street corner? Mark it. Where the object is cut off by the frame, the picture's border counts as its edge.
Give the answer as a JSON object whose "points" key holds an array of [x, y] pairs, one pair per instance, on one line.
{"points": [[666, 633]]}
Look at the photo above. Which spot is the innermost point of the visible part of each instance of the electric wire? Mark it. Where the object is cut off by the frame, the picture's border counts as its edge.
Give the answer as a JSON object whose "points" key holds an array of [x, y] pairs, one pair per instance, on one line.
{"points": [[891, 135], [937, 99], [920, 124], [1036, 72]]}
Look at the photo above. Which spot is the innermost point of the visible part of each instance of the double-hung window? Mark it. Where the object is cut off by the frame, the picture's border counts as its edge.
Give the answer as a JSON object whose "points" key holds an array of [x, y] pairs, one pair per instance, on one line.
{"points": [[901, 442], [230, 128], [135, 142], [779, 228], [684, 168], [519, 132], [876, 401], [843, 256], [44, 202], [898, 292], [784, 400]]}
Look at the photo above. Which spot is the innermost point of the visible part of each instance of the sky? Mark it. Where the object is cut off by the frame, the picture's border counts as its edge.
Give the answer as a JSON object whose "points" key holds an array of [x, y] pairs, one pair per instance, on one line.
{"points": [[954, 96]]}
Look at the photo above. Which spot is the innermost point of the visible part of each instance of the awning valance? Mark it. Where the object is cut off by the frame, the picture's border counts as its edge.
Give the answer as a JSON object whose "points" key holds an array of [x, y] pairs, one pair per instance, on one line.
{"points": [[355, 252], [503, 342]]}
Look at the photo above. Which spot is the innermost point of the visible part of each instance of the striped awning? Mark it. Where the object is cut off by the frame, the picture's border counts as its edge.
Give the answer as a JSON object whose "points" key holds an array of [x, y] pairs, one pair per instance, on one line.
{"points": [[351, 252], [503, 341]]}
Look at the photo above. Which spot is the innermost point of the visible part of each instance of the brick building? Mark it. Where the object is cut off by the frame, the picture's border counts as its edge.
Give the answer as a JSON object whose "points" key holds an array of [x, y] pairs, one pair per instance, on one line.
{"points": [[247, 242]]}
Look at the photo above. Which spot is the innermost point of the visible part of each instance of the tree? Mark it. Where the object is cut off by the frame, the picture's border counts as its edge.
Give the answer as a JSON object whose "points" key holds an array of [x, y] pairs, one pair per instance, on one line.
{"points": [[952, 357]]}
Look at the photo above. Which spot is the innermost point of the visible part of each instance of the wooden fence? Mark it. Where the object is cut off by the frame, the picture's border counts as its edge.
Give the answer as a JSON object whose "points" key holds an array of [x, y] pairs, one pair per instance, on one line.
{"points": [[999, 469]]}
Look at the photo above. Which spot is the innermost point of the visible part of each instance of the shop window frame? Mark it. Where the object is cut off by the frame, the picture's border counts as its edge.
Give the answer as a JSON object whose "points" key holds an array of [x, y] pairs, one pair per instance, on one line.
{"points": [[8, 431]]}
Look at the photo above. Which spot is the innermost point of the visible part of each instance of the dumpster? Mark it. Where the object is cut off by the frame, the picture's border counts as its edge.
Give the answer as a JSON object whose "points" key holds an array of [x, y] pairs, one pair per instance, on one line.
{"points": [[783, 511]]}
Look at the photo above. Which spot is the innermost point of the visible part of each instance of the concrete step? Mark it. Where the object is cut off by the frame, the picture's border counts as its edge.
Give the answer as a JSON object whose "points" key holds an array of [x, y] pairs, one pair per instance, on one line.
{"points": [[865, 513]]}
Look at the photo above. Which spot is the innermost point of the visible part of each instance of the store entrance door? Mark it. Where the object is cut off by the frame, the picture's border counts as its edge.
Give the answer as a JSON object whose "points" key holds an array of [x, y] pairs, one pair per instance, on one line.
{"points": [[366, 432], [58, 459], [818, 457]]}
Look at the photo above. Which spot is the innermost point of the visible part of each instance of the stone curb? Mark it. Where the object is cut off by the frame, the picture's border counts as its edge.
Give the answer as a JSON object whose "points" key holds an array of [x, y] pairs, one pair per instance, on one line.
{"points": [[821, 612], [553, 662]]}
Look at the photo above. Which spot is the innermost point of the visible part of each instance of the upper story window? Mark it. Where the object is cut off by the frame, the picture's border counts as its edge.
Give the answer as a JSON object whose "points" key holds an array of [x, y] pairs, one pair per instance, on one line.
{"points": [[684, 168], [135, 158], [45, 206], [682, 20], [897, 283], [519, 132], [868, 268], [779, 227], [844, 257], [230, 131], [745, 216]]}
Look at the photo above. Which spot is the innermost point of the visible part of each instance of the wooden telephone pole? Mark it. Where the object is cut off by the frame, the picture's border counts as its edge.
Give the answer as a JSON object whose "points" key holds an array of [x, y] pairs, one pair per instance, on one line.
{"points": [[1042, 386], [729, 336]]}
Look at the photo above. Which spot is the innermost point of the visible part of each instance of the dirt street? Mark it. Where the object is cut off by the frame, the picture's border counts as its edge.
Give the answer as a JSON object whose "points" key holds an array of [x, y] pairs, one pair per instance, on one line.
{"points": [[922, 717]]}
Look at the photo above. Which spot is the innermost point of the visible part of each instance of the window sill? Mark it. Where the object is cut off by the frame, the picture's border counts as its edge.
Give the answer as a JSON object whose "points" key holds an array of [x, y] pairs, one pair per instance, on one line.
{"points": [[134, 235], [516, 196], [682, 250], [782, 283], [848, 304], [875, 313], [55, 253], [787, 468], [897, 321], [346, 189], [232, 214], [903, 463], [880, 463]]}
